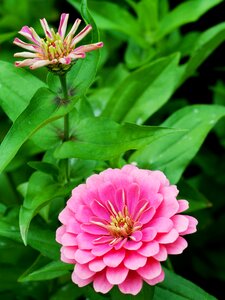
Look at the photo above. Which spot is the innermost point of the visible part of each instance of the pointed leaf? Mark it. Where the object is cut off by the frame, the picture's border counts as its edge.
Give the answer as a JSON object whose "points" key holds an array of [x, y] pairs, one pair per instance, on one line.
{"points": [[135, 100], [171, 154], [207, 42], [40, 109], [189, 11], [174, 287], [17, 88], [41, 190], [102, 139], [41, 239], [52, 270], [195, 198], [111, 16]]}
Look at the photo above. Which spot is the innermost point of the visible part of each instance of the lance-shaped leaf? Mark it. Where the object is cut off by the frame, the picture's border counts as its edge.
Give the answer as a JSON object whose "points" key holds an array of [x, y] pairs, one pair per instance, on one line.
{"points": [[174, 287], [207, 42], [52, 270], [186, 12], [38, 112], [16, 89], [103, 139], [111, 16], [146, 293], [171, 154], [41, 239], [41, 190], [144, 91], [195, 198]]}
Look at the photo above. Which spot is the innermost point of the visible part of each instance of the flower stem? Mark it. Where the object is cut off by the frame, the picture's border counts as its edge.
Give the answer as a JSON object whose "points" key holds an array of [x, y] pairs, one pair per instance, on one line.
{"points": [[66, 125]]}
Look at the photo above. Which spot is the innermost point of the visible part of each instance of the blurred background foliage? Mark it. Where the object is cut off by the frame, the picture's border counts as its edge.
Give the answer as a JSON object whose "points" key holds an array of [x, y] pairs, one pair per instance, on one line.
{"points": [[135, 33]]}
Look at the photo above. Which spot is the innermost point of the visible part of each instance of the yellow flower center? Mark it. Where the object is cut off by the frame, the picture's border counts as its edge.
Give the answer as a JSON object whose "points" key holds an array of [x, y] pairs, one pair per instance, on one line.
{"points": [[121, 224]]}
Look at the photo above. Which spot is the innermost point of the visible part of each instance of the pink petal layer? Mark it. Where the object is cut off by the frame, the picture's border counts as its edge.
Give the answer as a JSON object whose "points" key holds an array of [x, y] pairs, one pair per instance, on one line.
{"points": [[191, 226], [180, 223], [161, 224], [132, 284], [183, 205], [148, 234], [133, 260], [83, 256], [149, 249], [101, 284], [97, 265], [157, 279], [162, 254], [114, 258], [166, 238], [177, 247], [151, 270], [83, 271], [80, 282], [116, 275]]}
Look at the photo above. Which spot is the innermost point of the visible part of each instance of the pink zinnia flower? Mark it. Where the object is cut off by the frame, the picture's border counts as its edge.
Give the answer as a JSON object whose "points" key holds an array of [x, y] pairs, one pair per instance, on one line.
{"points": [[55, 51], [119, 226]]}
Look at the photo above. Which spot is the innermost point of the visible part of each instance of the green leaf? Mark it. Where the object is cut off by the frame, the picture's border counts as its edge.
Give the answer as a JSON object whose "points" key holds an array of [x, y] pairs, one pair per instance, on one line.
{"points": [[16, 89], [171, 154], [196, 199], [27, 150], [112, 77], [102, 139], [111, 16], [189, 11], [40, 109], [8, 277], [68, 291], [41, 190], [135, 100], [41, 239], [136, 56], [45, 168], [146, 293], [147, 12], [52, 270], [207, 42], [174, 287]]}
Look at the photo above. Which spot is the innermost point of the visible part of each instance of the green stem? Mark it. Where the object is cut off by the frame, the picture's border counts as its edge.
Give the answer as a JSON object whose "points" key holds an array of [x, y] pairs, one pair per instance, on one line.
{"points": [[66, 125]]}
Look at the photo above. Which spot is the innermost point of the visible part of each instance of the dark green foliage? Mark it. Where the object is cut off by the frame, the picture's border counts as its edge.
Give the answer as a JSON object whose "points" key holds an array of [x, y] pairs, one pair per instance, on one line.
{"points": [[127, 103]]}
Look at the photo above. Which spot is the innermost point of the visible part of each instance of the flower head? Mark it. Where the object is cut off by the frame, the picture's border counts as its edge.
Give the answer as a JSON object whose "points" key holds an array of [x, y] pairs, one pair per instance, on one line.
{"points": [[56, 50], [119, 226]]}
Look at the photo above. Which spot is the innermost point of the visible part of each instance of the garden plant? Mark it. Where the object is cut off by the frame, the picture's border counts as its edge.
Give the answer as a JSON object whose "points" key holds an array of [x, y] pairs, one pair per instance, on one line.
{"points": [[112, 149]]}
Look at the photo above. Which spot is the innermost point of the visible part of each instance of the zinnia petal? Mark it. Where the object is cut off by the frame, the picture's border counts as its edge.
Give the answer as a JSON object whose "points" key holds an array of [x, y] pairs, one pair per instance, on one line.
{"points": [[81, 35], [114, 258], [132, 284], [63, 25], [46, 28], [101, 284], [116, 275], [80, 282], [134, 260], [151, 270], [39, 64]]}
